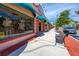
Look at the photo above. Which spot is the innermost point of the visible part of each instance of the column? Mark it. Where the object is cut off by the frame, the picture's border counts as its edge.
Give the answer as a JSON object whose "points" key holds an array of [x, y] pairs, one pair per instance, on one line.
{"points": [[42, 25], [35, 25]]}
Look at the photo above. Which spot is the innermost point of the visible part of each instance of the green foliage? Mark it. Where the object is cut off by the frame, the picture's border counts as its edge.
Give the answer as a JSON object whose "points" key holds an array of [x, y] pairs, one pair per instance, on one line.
{"points": [[65, 13], [63, 19], [53, 26]]}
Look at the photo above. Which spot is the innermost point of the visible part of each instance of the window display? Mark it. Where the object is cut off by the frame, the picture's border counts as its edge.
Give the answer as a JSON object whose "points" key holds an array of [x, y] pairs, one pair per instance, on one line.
{"points": [[18, 26]]}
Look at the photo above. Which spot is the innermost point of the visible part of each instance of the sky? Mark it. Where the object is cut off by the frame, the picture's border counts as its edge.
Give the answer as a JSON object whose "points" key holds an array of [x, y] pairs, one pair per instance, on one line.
{"points": [[52, 10]]}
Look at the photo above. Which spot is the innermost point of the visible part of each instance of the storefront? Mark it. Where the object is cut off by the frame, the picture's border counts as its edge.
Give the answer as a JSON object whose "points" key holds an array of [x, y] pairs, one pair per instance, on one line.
{"points": [[15, 20], [42, 23], [16, 26]]}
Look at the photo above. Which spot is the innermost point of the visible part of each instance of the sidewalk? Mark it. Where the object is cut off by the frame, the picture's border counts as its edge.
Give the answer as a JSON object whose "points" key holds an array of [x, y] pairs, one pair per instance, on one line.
{"points": [[45, 46]]}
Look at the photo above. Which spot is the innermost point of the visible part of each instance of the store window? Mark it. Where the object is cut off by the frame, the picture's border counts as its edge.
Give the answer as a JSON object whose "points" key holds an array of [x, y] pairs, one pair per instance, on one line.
{"points": [[16, 26]]}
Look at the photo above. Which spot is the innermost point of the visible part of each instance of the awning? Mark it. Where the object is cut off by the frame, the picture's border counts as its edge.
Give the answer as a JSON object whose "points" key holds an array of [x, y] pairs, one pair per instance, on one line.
{"points": [[17, 8], [47, 22], [26, 6], [44, 19], [41, 18]]}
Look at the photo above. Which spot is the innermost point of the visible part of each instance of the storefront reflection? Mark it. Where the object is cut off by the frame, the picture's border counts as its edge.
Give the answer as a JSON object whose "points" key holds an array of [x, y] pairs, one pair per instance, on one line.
{"points": [[9, 27]]}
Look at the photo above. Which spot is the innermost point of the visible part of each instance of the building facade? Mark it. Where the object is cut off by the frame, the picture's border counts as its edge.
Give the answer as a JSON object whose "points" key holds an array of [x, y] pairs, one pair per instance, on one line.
{"points": [[19, 22]]}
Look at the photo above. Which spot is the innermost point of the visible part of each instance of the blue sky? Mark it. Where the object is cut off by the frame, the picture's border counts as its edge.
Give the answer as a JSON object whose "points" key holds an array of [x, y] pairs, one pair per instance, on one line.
{"points": [[52, 10]]}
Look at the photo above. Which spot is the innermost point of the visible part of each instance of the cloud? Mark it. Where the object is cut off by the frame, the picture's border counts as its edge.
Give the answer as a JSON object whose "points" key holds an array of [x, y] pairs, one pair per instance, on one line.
{"points": [[53, 10]]}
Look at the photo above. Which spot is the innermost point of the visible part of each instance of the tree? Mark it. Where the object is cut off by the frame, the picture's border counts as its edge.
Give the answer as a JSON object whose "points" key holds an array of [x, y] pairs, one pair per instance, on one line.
{"points": [[63, 19]]}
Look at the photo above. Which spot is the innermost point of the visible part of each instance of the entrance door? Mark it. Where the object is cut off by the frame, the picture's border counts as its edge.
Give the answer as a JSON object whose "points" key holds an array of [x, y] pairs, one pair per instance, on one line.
{"points": [[39, 26]]}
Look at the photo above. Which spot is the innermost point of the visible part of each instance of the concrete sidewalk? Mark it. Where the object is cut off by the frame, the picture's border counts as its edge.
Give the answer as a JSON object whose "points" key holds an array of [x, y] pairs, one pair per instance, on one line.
{"points": [[45, 46]]}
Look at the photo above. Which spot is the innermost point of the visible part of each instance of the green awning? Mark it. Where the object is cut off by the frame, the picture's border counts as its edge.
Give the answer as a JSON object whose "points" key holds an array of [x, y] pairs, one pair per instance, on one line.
{"points": [[41, 18], [44, 19], [47, 22]]}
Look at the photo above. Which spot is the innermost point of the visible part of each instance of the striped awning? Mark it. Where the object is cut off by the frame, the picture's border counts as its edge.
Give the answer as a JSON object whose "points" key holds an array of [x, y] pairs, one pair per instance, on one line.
{"points": [[26, 6]]}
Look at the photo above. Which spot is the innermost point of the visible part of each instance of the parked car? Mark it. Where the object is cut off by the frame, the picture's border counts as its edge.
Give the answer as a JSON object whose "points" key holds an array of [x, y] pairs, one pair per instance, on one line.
{"points": [[71, 30]]}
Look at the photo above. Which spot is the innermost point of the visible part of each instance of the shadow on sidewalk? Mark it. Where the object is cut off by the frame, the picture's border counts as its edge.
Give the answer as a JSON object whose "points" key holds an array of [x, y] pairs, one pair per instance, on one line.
{"points": [[39, 34]]}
